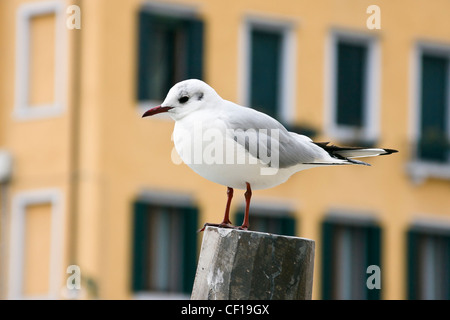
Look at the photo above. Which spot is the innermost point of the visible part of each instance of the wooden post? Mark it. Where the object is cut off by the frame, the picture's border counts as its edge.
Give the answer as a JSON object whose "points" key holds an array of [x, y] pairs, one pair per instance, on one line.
{"points": [[236, 264]]}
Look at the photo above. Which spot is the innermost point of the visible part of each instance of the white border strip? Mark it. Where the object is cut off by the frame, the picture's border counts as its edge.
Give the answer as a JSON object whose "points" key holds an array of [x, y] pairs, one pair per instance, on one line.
{"points": [[171, 9], [22, 109], [370, 129]]}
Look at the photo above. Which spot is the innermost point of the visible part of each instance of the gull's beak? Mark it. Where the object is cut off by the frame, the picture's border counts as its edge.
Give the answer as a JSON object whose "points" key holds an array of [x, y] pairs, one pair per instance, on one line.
{"points": [[156, 110]]}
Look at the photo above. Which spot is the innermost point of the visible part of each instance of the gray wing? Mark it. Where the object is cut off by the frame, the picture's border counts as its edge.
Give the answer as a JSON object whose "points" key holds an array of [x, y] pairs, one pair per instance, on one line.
{"points": [[267, 139]]}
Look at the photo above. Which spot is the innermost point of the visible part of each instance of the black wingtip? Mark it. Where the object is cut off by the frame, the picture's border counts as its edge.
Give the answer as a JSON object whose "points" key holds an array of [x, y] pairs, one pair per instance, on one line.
{"points": [[388, 151]]}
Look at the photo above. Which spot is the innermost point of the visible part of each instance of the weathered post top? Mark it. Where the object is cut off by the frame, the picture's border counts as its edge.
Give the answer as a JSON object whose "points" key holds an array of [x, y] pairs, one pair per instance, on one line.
{"points": [[236, 264]]}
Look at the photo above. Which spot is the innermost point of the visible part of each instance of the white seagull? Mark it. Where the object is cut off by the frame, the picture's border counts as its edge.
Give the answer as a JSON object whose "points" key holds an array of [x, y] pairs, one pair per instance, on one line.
{"points": [[240, 147]]}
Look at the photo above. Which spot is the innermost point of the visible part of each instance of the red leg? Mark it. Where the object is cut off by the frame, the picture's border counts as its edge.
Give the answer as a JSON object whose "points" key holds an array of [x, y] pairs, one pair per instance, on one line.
{"points": [[226, 218], [248, 196], [226, 223]]}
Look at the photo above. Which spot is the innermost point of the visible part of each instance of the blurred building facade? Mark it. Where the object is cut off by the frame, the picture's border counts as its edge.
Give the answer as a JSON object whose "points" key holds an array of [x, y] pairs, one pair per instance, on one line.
{"points": [[93, 185]]}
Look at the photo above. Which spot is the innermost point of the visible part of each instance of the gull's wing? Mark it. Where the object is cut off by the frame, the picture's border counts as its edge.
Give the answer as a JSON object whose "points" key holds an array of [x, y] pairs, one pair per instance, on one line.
{"points": [[263, 136]]}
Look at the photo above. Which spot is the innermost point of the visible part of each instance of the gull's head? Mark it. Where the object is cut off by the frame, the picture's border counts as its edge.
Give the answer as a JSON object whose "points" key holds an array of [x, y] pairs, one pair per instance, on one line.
{"points": [[186, 97]]}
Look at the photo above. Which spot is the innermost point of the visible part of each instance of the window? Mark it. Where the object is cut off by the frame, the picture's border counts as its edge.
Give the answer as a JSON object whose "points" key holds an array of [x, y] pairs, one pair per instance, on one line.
{"points": [[428, 263], [276, 222], [433, 144], [354, 88], [349, 247], [431, 113], [40, 60], [268, 67], [35, 250], [170, 50], [165, 246]]}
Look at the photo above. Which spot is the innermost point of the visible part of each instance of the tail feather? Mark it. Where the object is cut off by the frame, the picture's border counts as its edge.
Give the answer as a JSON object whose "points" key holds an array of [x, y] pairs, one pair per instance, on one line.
{"points": [[349, 153], [362, 153]]}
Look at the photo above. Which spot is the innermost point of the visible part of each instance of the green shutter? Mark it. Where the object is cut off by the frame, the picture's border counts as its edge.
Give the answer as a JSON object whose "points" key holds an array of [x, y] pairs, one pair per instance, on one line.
{"points": [[140, 246], [373, 257], [447, 267], [412, 267], [195, 49], [288, 225], [276, 224], [328, 229], [190, 224], [265, 71], [156, 55], [159, 65], [145, 55], [351, 70], [162, 56], [433, 144], [239, 218]]}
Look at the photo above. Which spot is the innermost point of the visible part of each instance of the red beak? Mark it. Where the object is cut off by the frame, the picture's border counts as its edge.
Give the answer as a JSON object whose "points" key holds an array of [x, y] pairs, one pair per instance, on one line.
{"points": [[156, 110]]}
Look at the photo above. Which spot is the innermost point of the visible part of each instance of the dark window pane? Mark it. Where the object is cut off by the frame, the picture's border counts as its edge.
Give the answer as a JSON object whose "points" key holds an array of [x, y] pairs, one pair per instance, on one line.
{"points": [[194, 56], [265, 71], [433, 144], [170, 50], [351, 78], [428, 265], [277, 224]]}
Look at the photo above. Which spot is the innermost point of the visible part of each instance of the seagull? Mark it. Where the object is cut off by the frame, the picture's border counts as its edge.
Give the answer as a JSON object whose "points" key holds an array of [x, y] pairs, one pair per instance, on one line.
{"points": [[242, 148]]}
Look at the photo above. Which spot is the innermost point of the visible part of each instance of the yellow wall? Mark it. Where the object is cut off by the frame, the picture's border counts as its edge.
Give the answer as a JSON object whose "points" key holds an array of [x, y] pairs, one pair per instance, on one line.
{"points": [[120, 154], [42, 57], [37, 249], [40, 147]]}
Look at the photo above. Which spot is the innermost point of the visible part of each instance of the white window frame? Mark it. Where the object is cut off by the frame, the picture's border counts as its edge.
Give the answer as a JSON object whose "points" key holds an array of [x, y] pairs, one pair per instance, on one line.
{"points": [[22, 109], [419, 170], [352, 217], [430, 223], [287, 99], [20, 202], [369, 131]]}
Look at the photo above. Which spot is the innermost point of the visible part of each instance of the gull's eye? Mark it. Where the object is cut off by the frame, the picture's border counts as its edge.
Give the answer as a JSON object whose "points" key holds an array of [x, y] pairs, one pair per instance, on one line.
{"points": [[183, 99]]}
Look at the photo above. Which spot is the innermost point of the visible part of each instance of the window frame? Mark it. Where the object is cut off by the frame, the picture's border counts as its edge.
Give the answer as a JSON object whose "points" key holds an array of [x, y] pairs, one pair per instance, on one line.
{"points": [[420, 228], [419, 169], [369, 131], [158, 198], [338, 218], [20, 202], [286, 101], [22, 109]]}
